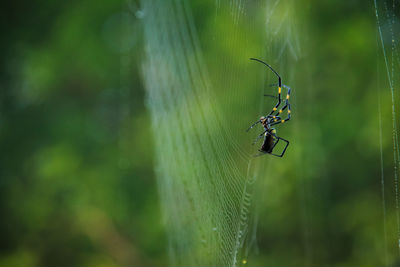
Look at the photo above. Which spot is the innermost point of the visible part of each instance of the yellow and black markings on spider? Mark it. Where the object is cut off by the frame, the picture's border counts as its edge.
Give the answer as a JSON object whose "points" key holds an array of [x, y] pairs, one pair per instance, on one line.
{"points": [[269, 133]]}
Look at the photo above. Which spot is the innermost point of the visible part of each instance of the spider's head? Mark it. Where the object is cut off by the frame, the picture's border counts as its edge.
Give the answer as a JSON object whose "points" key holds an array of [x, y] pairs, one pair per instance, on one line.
{"points": [[265, 121]]}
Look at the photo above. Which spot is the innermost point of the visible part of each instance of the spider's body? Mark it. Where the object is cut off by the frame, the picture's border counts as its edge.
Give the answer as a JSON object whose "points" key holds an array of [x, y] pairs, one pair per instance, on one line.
{"points": [[269, 133], [269, 142]]}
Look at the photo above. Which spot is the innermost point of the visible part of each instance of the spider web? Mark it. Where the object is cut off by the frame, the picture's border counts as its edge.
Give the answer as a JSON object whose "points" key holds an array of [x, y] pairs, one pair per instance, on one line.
{"points": [[203, 93], [388, 42]]}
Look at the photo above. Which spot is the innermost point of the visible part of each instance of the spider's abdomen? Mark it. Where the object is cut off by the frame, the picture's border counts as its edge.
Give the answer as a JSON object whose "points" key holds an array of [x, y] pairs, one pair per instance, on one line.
{"points": [[268, 143]]}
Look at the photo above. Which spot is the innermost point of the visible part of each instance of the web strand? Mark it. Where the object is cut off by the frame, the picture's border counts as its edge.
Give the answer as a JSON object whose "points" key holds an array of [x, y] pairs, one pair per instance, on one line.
{"points": [[390, 77]]}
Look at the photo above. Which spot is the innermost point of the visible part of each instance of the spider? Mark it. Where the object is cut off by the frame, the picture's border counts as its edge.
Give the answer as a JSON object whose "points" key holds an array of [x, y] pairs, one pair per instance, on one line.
{"points": [[269, 133]]}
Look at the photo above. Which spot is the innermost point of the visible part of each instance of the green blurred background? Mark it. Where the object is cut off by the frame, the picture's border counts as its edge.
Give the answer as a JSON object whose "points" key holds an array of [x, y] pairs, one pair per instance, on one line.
{"points": [[77, 169]]}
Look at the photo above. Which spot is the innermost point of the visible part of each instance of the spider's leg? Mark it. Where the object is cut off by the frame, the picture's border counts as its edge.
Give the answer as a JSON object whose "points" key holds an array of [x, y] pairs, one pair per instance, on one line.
{"points": [[254, 124], [279, 84], [287, 105], [276, 84], [279, 97], [271, 96], [273, 117], [284, 150], [276, 121]]}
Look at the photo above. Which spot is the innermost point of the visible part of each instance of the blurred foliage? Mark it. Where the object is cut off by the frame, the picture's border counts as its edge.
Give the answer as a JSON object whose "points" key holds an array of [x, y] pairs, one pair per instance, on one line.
{"points": [[77, 186], [77, 182]]}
